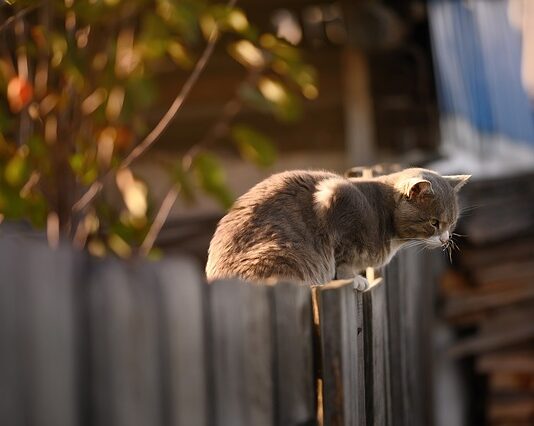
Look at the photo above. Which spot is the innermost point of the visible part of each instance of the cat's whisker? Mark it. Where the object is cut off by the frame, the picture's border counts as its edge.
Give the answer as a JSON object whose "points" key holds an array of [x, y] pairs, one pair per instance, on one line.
{"points": [[422, 248], [413, 243], [408, 239], [470, 208]]}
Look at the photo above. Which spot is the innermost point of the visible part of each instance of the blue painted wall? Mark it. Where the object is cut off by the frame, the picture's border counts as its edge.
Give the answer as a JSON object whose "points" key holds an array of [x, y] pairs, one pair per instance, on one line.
{"points": [[477, 54]]}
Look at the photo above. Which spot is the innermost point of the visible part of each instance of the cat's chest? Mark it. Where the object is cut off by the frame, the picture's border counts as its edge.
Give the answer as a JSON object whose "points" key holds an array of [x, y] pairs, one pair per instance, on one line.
{"points": [[363, 258]]}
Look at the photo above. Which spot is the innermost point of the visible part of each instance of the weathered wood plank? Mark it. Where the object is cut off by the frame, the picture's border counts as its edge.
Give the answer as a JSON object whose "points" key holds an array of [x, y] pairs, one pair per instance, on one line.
{"points": [[184, 354], [12, 411], [341, 350], [393, 295], [50, 320], [377, 375], [241, 354], [125, 346], [37, 337], [294, 377], [517, 361], [410, 294]]}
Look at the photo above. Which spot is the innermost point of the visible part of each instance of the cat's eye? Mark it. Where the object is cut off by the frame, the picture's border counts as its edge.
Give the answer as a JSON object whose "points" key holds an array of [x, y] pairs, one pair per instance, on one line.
{"points": [[435, 223]]}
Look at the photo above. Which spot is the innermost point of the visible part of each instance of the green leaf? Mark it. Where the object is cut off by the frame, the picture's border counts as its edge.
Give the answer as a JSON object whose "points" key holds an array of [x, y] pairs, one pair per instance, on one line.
{"points": [[182, 178], [155, 254], [227, 19], [280, 48], [252, 96], [182, 17], [178, 52], [141, 92], [38, 148], [77, 163], [154, 37], [290, 110], [253, 145], [211, 178], [17, 171], [285, 104], [90, 175]]}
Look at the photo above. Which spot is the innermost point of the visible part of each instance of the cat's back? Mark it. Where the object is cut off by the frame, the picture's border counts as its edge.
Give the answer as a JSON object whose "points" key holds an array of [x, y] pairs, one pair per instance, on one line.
{"points": [[268, 222], [293, 183], [290, 191]]}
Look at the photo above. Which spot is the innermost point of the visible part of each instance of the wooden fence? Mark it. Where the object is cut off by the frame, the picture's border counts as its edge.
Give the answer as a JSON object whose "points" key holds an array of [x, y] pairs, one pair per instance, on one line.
{"points": [[104, 342]]}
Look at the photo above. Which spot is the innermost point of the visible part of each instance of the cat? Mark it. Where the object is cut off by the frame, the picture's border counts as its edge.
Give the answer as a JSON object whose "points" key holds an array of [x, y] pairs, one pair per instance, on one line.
{"points": [[312, 227]]}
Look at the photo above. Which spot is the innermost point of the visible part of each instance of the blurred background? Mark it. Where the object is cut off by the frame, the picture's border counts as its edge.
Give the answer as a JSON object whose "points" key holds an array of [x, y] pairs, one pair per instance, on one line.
{"points": [[444, 84]]}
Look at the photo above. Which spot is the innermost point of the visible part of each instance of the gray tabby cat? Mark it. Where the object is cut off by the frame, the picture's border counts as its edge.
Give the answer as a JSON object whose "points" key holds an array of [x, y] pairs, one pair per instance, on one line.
{"points": [[312, 227]]}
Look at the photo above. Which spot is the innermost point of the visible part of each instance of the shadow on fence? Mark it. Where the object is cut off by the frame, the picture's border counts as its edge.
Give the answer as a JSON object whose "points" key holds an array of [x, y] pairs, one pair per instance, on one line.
{"points": [[104, 342]]}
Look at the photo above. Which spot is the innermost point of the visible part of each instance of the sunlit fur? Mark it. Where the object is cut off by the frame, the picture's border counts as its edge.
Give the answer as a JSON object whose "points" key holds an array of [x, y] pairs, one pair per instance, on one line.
{"points": [[413, 217], [311, 227]]}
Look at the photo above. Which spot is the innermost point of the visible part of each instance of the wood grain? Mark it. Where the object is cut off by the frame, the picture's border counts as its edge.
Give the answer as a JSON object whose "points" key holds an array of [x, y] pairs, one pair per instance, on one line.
{"points": [[343, 383], [241, 356]]}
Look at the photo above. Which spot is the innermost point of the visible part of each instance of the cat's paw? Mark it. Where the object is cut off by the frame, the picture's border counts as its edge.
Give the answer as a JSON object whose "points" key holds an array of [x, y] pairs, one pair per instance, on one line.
{"points": [[360, 283]]}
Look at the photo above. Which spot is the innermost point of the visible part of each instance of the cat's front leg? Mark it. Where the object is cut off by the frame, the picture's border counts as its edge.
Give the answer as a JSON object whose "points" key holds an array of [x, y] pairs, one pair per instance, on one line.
{"points": [[346, 272]]}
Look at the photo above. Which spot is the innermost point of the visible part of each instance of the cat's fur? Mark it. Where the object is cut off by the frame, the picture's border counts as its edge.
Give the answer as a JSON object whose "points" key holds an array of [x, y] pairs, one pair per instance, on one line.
{"points": [[312, 227]]}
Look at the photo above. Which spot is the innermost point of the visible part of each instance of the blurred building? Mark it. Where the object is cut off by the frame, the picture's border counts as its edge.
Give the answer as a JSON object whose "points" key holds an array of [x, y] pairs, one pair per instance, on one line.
{"points": [[483, 54]]}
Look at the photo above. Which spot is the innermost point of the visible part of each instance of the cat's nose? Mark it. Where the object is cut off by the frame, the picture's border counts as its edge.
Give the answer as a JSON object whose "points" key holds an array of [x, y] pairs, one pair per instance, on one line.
{"points": [[444, 237]]}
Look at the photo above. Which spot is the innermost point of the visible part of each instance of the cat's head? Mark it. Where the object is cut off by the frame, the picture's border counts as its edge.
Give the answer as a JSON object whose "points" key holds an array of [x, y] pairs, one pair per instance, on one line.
{"points": [[426, 205]]}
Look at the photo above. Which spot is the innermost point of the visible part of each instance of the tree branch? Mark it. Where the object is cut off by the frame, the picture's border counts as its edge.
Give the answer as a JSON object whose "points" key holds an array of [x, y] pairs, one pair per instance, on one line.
{"points": [[159, 220], [149, 140], [18, 15], [230, 110]]}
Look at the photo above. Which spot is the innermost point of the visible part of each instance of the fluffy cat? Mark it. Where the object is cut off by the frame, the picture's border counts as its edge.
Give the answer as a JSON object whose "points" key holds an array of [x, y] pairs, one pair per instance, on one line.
{"points": [[312, 227]]}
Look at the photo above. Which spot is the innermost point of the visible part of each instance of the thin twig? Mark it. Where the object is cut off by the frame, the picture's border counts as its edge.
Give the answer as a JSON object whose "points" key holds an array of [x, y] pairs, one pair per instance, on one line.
{"points": [[149, 140], [159, 220], [230, 110], [18, 15]]}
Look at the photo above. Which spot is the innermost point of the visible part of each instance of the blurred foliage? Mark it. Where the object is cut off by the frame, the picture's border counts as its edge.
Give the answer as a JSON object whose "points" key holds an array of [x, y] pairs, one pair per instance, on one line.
{"points": [[78, 79]]}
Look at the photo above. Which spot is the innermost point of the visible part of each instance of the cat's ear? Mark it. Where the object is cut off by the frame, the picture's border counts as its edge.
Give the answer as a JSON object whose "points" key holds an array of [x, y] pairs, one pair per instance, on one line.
{"points": [[457, 181], [417, 188]]}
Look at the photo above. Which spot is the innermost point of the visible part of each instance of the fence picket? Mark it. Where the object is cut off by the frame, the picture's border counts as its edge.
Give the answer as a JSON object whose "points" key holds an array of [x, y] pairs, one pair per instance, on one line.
{"points": [[241, 354], [51, 312], [184, 343], [341, 349], [294, 381], [12, 411], [377, 379], [125, 347], [38, 334]]}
